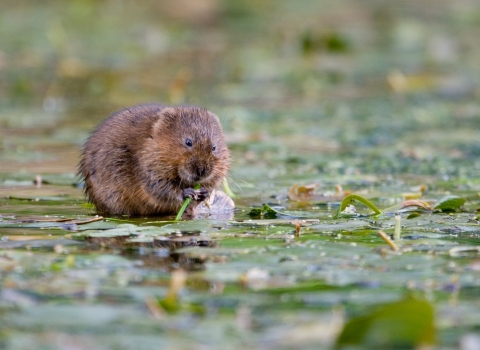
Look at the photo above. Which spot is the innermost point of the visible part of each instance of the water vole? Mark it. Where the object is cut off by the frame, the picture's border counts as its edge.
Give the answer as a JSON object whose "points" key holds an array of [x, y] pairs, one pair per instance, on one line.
{"points": [[146, 159]]}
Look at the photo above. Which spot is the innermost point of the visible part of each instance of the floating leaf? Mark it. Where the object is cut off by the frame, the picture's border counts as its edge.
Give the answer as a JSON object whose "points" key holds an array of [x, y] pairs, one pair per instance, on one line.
{"points": [[265, 212], [416, 203], [306, 193], [449, 203], [404, 324], [412, 195], [249, 223], [255, 213], [413, 215], [409, 206], [464, 251], [349, 200], [299, 193]]}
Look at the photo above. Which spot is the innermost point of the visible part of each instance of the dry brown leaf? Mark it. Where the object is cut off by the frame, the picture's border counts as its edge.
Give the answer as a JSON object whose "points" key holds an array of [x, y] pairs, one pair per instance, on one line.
{"points": [[300, 193], [306, 193], [416, 203]]}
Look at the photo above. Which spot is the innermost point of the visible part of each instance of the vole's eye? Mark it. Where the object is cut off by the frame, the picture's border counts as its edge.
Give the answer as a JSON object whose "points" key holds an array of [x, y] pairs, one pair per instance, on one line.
{"points": [[189, 142], [214, 148]]}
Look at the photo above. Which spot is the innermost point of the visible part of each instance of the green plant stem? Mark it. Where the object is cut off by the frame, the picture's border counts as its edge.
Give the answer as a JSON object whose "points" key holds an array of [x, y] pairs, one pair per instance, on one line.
{"points": [[398, 228], [185, 204], [227, 189]]}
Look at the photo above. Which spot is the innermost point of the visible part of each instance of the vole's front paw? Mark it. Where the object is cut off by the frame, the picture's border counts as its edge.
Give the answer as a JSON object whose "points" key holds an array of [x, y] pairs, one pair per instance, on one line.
{"points": [[198, 195], [202, 194], [189, 193]]}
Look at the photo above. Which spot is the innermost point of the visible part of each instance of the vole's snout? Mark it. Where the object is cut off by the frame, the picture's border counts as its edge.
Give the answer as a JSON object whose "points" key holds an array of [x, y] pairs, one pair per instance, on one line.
{"points": [[196, 170], [201, 171]]}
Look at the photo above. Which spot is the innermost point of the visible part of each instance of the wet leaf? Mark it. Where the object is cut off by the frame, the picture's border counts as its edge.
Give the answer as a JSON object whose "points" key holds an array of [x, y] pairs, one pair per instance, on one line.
{"points": [[307, 194], [171, 302], [306, 222], [413, 215], [449, 203], [404, 324], [126, 230], [464, 251], [416, 203], [348, 200], [266, 212], [302, 193]]}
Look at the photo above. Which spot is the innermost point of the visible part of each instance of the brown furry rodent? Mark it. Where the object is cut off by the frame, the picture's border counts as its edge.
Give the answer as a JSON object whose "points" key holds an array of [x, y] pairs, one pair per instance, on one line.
{"points": [[146, 159]]}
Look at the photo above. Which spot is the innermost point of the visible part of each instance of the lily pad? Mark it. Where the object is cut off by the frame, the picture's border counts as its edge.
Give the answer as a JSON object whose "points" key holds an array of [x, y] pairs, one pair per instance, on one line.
{"points": [[404, 324]]}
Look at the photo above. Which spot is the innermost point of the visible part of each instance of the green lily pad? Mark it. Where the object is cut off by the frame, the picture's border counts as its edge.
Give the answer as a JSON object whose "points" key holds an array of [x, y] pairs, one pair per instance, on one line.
{"points": [[404, 324]]}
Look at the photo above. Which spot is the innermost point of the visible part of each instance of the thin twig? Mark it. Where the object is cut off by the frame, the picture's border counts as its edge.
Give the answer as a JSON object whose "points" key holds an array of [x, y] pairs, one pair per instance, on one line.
{"points": [[387, 240], [99, 218], [152, 306]]}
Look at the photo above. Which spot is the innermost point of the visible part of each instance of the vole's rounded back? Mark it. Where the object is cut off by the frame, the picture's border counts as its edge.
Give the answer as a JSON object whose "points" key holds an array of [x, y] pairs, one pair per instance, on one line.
{"points": [[140, 160]]}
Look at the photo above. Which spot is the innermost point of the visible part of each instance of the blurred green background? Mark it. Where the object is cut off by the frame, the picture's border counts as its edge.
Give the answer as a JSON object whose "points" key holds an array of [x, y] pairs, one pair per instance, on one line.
{"points": [[370, 80]]}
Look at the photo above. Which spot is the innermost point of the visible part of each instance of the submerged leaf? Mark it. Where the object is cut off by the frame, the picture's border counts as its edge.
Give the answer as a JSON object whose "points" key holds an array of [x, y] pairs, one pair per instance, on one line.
{"points": [[171, 302]]}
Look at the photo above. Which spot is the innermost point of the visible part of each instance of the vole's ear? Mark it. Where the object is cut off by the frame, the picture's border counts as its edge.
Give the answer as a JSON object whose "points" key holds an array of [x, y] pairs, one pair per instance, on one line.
{"points": [[166, 117], [167, 113]]}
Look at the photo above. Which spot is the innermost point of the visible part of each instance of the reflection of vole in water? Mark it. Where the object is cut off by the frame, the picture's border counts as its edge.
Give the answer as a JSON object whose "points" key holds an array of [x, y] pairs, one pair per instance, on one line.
{"points": [[146, 159]]}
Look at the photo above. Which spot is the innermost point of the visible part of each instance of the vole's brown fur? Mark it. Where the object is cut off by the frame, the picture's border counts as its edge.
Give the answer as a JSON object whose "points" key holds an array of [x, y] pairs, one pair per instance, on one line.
{"points": [[141, 160]]}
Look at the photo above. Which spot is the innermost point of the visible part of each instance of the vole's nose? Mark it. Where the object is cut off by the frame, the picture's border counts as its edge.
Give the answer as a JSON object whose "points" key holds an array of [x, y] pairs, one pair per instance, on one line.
{"points": [[201, 171]]}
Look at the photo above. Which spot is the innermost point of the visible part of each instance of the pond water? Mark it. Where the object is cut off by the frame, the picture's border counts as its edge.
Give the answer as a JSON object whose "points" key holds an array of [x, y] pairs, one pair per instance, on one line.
{"points": [[379, 99]]}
